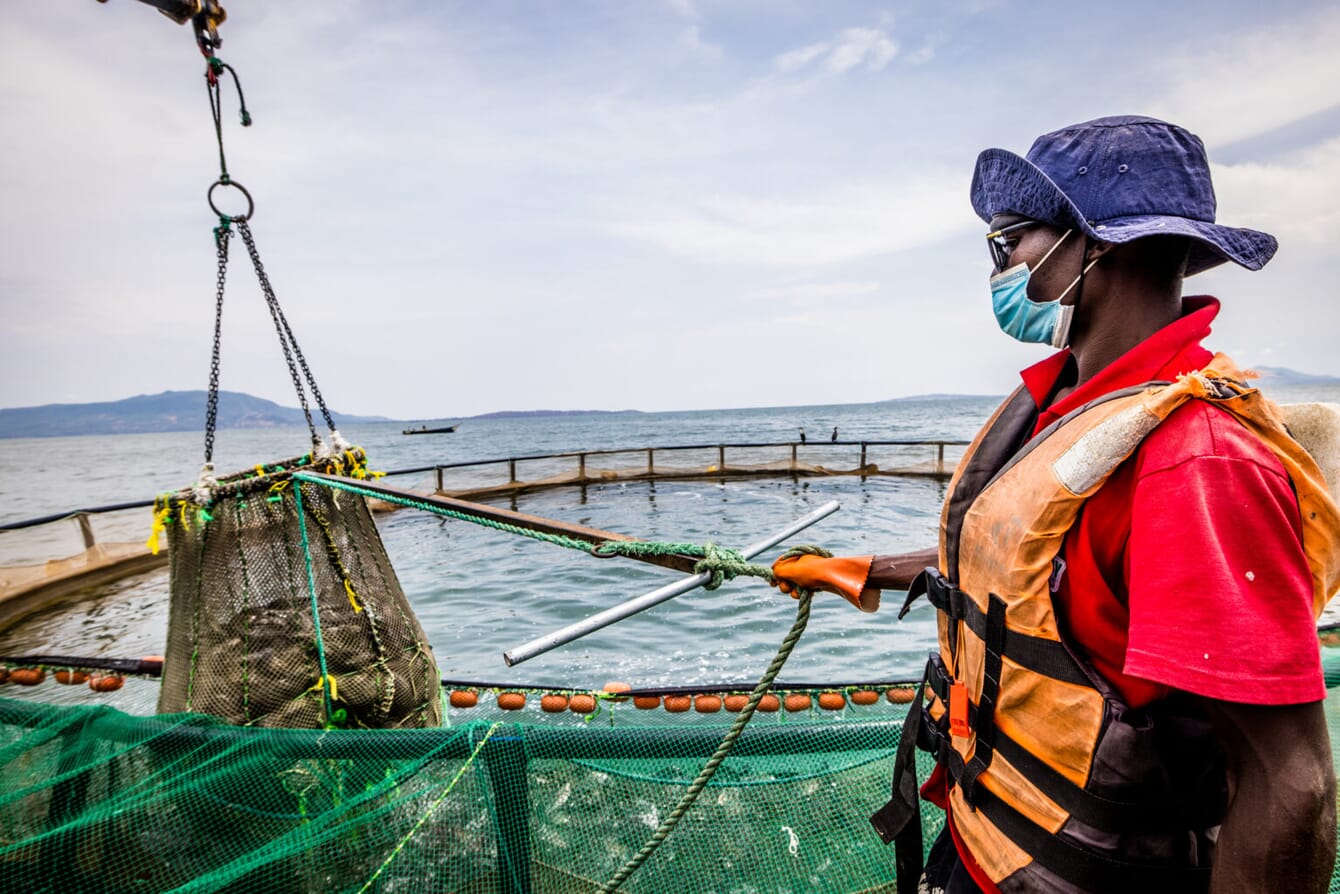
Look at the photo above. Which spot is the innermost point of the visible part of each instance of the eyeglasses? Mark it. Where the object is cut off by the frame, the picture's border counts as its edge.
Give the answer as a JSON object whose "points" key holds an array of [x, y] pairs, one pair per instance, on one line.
{"points": [[1000, 245]]}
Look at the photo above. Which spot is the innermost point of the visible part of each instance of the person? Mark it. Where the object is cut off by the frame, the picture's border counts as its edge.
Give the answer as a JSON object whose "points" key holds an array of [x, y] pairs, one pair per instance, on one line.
{"points": [[1127, 693]]}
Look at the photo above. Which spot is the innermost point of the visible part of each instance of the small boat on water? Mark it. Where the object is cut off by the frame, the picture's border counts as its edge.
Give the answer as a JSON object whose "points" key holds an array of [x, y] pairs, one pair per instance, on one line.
{"points": [[425, 430]]}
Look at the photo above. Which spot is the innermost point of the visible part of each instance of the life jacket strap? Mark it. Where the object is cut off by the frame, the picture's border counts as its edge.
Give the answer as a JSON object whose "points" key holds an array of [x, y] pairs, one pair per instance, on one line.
{"points": [[1104, 814], [985, 726], [899, 821], [1048, 657], [1081, 867]]}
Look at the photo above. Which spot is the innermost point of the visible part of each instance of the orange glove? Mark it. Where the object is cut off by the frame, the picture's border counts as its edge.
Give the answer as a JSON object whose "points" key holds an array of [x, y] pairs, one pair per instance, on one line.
{"points": [[845, 576]]}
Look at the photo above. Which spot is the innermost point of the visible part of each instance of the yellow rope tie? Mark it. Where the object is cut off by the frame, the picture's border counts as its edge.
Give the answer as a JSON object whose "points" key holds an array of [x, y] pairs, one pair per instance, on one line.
{"points": [[431, 808], [327, 681], [159, 527], [353, 597]]}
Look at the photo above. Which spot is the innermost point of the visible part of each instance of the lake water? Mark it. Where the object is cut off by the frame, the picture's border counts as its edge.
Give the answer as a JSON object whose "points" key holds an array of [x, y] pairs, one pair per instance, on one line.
{"points": [[479, 592]]}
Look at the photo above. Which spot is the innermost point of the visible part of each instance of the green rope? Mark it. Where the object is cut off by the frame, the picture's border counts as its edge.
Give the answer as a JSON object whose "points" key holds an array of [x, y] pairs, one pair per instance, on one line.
{"points": [[722, 563], [709, 769], [316, 613], [355, 488]]}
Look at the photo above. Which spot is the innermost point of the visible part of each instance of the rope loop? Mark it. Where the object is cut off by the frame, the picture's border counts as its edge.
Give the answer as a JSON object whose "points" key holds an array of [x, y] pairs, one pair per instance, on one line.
{"points": [[724, 563]]}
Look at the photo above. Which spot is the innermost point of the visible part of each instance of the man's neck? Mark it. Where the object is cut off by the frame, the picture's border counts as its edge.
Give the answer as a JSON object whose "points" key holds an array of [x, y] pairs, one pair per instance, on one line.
{"points": [[1117, 322]]}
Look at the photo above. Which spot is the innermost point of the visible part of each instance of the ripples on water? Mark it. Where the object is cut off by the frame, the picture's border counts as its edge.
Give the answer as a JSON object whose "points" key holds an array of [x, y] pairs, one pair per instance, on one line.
{"points": [[479, 592]]}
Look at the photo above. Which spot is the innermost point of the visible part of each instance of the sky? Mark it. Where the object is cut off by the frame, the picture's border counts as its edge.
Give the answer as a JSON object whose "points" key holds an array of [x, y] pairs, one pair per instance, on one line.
{"points": [[599, 204]]}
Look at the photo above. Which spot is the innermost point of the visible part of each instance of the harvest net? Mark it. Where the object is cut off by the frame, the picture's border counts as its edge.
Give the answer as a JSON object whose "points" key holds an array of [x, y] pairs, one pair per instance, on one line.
{"points": [[96, 800], [285, 610]]}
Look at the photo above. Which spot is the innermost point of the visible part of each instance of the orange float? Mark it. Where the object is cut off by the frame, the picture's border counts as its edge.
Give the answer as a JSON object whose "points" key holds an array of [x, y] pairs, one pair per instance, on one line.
{"points": [[109, 683], [707, 704], [768, 703], [511, 701], [27, 676], [832, 701], [464, 698], [736, 702], [615, 690], [553, 703], [646, 702], [901, 695], [864, 697], [70, 677], [798, 701], [582, 704], [678, 704]]}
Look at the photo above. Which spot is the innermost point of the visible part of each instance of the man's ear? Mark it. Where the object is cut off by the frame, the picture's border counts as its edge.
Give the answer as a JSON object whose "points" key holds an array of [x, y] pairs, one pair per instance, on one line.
{"points": [[1096, 250]]}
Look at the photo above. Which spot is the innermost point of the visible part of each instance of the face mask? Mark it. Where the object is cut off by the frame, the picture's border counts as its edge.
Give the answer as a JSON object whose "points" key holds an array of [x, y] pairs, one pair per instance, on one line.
{"points": [[1035, 322]]}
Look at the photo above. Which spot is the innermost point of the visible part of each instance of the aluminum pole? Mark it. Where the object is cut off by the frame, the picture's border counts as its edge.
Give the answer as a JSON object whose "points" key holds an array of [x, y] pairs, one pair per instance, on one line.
{"points": [[542, 644]]}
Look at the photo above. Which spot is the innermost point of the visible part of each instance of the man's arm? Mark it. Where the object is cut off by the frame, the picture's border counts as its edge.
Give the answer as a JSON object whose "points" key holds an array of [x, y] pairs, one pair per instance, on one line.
{"points": [[1279, 833], [896, 572], [858, 579]]}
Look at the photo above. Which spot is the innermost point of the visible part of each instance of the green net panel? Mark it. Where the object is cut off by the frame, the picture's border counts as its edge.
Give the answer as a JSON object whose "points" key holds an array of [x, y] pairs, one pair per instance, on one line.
{"points": [[96, 800], [508, 801], [248, 559]]}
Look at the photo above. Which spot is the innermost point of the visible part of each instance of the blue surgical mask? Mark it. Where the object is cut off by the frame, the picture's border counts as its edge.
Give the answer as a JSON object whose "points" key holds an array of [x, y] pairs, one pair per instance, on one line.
{"points": [[1035, 322]]}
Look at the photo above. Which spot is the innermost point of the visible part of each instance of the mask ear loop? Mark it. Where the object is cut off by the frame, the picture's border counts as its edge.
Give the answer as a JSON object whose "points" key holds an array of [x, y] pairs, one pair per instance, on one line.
{"points": [[1039, 264], [1079, 280], [1061, 338]]}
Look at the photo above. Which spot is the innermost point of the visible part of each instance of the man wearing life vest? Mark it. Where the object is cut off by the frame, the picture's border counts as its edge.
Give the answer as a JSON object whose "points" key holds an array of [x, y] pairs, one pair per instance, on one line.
{"points": [[1127, 694]]}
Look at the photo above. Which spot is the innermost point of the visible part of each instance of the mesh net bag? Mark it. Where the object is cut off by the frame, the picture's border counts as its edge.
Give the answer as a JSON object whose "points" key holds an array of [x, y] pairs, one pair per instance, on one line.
{"points": [[284, 610]]}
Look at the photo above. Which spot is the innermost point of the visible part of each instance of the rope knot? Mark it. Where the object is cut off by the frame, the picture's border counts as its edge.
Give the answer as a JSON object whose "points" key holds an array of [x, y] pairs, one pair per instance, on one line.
{"points": [[723, 564]]}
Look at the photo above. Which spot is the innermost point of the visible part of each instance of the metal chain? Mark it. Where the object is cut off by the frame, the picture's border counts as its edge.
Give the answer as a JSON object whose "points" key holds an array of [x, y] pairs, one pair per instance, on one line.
{"points": [[212, 401], [281, 327], [293, 341]]}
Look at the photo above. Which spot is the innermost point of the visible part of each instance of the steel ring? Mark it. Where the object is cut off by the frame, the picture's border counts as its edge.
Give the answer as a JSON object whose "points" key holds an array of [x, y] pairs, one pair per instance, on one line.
{"points": [[251, 205]]}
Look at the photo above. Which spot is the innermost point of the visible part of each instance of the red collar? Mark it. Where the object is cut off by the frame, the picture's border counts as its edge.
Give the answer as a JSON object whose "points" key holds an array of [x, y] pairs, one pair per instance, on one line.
{"points": [[1173, 350]]}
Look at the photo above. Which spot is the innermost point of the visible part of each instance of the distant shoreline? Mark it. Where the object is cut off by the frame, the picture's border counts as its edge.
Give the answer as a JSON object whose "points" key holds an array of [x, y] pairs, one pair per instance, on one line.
{"points": [[184, 411]]}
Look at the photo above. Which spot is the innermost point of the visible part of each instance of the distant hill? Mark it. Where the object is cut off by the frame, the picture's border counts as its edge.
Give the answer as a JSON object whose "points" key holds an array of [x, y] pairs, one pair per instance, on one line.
{"points": [[524, 414], [169, 411], [1279, 375], [899, 400]]}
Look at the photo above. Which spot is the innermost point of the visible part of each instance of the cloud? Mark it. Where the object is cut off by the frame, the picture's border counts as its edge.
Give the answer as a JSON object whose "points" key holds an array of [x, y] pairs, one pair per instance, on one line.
{"points": [[1292, 197], [809, 292], [692, 39], [684, 8], [1247, 83], [846, 223], [926, 52], [851, 48]]}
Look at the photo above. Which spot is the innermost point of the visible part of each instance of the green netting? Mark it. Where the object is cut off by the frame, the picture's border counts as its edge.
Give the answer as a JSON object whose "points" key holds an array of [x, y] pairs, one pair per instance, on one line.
{"points": [[95, 800]]}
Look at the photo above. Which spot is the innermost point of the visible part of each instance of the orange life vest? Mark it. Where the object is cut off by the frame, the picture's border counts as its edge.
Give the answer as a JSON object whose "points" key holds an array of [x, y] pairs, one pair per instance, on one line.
{"points": [[1054, 783]]}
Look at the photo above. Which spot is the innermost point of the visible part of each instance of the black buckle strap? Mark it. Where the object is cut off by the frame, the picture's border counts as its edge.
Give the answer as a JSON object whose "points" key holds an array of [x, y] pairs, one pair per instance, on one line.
{"points": [[1104, 814], [899, 821], [1081, 867], [1048, 657], [985, 726]]}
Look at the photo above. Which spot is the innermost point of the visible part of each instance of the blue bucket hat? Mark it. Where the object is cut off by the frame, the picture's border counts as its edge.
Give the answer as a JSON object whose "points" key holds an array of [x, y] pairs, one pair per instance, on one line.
{"points": [[1118, 179]]}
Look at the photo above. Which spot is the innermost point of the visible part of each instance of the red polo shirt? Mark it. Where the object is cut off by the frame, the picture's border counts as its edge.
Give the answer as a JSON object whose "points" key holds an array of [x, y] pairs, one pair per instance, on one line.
{"points": [[1186, 569]]}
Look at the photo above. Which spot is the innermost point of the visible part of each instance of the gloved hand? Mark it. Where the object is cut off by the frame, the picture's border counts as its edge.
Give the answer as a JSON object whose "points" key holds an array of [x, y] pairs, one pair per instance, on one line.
{"points": [[845, 576]]}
